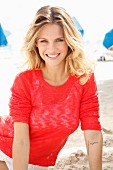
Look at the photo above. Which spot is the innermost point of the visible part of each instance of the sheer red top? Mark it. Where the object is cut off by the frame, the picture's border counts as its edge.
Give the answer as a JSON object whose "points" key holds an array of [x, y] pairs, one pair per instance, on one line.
{"points": [[52, 112]]}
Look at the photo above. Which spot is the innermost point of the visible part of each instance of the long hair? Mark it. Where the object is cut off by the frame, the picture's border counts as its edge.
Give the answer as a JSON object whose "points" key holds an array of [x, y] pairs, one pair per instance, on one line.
{"points": [[76, 61]]}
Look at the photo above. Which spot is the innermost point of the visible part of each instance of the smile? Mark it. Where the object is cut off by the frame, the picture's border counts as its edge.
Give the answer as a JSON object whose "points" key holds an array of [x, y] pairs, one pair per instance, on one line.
{"points": [[52, 56]]}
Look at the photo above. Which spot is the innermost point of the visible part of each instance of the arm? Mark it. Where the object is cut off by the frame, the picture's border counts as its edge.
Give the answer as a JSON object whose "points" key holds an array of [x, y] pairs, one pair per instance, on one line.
{"points": [[90, 124], [94, 140], [21, 146]]}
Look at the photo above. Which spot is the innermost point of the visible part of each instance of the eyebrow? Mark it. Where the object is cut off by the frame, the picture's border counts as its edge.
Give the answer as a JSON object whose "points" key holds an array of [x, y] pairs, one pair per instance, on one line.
{"points": [[47, 39]]}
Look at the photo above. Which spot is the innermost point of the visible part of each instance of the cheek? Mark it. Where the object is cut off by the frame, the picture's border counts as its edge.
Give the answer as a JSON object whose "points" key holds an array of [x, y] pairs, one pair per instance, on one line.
{"points": [[40, 49], [62, 47], [65, 49]]}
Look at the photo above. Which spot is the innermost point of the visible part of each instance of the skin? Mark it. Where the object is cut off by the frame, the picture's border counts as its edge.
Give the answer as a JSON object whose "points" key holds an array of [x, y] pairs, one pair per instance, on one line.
{"points": [[21, 146], [94, 140], [53, 50], [3, 165]]}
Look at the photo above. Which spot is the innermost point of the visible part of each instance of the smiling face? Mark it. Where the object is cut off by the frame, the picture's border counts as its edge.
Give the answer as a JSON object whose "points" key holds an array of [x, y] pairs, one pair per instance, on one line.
{"points": [[52, 45]]}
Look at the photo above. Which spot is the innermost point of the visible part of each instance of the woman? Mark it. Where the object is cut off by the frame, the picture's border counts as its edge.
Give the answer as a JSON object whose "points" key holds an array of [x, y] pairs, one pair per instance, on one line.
{"points": [[51, 97]]}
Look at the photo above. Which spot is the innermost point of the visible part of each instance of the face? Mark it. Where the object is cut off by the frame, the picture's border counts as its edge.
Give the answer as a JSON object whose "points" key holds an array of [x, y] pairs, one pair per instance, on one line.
{"points": [[52, 45]]}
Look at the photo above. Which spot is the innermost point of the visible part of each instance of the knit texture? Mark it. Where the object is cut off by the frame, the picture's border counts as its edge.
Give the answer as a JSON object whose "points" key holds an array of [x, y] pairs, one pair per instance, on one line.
{"points": [[52, 112]]}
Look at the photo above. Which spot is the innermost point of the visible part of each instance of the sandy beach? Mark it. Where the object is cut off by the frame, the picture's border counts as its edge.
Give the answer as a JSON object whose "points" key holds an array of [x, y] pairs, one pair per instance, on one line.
{"points": [[73, 156]]}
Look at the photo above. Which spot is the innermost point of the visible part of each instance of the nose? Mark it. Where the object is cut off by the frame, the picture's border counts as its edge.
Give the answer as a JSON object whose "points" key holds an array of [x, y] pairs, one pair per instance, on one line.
{"points": [[51, 47]]}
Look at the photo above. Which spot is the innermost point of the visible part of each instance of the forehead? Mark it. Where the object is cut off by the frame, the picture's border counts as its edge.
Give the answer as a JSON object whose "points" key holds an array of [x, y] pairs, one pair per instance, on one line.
{"points": [[49, 30]]}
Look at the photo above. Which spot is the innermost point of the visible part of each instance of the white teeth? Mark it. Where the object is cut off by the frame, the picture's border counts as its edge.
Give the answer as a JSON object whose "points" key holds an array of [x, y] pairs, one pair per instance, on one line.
{"points": [[52, 56]]}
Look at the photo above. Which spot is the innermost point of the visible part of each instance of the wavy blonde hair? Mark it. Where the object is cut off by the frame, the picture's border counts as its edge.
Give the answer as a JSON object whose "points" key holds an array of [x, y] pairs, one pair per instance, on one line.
{"points": [[76, 61]]}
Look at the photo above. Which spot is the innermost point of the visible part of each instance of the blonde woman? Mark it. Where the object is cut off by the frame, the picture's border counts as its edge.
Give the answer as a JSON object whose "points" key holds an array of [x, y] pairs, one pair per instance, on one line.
{"points": [[51, 98]]}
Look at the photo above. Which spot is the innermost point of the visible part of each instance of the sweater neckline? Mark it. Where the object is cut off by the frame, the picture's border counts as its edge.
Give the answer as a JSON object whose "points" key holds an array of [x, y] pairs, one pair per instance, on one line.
{"points": [[45, 83]]}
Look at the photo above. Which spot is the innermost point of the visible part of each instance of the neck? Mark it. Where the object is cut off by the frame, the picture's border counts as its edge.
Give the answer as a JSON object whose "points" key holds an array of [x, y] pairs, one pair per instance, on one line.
{"points": [[55, 75]]}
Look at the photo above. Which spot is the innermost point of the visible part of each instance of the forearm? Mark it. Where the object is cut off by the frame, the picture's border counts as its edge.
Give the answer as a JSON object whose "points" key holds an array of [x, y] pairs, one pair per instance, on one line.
{"points": [[94, 149], [20, 155]]}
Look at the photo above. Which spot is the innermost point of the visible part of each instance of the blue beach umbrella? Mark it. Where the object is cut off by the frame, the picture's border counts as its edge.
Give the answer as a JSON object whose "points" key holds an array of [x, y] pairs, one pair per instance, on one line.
{"points": [[3, 40], [79, 27], [108, 39]]}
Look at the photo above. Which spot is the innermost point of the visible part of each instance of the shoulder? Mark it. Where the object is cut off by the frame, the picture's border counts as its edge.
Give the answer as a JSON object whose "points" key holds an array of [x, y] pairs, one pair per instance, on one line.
{"points": [[91, 79], [89, 84], [28, 73], [88, 79], [26, 77]]}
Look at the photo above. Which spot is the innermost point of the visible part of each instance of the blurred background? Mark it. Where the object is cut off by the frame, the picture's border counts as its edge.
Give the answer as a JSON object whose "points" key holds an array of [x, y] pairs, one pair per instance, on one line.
{"points": [[95, 17]]}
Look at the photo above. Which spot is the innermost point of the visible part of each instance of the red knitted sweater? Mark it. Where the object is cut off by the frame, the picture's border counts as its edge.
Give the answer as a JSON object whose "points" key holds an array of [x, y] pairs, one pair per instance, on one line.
{"points": [[52, 112]]}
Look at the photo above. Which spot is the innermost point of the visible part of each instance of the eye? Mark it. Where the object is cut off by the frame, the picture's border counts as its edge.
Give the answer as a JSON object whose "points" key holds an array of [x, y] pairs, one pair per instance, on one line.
{"points": [[43, 41], [59, 40]]}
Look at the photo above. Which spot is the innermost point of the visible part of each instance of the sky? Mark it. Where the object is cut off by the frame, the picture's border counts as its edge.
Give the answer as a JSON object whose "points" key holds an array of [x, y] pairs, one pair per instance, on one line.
{"points": [[95, 16]]}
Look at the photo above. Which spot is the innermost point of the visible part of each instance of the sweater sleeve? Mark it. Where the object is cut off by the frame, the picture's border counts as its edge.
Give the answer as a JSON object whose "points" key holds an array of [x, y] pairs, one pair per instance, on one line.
{"points": [[89, 106], [19, 104]]}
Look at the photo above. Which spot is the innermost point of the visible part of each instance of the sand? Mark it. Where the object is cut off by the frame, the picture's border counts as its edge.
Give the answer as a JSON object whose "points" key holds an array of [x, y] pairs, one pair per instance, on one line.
{"points": [[73, 156]]}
